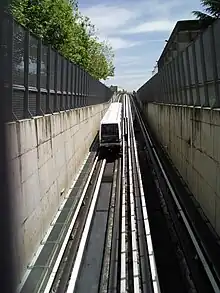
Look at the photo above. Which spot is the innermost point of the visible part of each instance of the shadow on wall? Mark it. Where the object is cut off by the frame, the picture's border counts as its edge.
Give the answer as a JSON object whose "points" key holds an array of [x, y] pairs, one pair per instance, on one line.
{"points": [[95, 144]]}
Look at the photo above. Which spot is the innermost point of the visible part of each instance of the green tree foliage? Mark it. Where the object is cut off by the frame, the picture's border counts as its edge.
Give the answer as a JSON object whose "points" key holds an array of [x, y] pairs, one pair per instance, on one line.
{"points": [[100, 58], [211, 10], [59, 23]]}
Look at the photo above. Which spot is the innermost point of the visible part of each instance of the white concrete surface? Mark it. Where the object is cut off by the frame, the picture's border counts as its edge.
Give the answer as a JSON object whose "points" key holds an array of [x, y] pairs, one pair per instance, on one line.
{"points": [[192, 138], [44, 155]]}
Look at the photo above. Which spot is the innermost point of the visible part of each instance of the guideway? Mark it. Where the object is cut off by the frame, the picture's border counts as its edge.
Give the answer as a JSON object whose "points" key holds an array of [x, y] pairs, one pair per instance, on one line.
{"points": [[101, 240], [115, 251]]}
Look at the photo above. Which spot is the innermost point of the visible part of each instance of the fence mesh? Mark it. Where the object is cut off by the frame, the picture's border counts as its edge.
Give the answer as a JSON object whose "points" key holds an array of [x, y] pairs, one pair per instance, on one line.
{"points": [[192, 77], [41, 80]]}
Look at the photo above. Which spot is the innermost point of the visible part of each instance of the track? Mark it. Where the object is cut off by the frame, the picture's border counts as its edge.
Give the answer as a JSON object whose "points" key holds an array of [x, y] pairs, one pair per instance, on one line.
{"points": [[129, 231], [93, 208], [183, 260], [138, 269], [108, 247]]}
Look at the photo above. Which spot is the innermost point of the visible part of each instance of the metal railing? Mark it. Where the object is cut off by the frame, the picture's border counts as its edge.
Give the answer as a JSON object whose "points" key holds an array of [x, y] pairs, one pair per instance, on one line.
{"points": [[41, 81], [190, 78]]}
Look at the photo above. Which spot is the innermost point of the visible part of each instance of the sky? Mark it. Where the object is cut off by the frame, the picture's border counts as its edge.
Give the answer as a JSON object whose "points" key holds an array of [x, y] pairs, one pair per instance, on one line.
{"points": [[136, 30]]}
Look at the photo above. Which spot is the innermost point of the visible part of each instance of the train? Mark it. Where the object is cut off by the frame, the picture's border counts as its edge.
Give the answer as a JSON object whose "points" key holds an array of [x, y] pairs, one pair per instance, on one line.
{"points": [[110, 132]]}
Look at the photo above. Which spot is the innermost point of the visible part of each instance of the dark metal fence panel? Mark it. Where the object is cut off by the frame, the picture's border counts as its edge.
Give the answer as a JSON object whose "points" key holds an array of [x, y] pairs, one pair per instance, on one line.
{"points": [[43, 81], [63, 83], [185, 76], [161, 79], [18, 41], [172, 97], [81, 87], [58, 80], [167, 84], [216, 29], [32, 76], [176, 78], [7, 28], [77, 86], [175, 82], [190, 78], [203, 88]]}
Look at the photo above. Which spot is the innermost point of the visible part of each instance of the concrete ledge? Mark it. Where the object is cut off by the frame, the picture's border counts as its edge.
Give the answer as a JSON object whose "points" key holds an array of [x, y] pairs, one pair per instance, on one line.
{"points": [[191, 136]]}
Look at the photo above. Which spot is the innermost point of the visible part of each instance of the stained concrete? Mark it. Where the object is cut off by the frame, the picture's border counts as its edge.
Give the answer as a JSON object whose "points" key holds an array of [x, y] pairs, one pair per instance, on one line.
{"points": [[191, 137], [44, 155]]}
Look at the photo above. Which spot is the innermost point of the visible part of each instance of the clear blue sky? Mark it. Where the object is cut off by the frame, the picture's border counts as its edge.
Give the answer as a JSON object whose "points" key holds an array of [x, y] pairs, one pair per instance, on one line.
{"points": [[137, 31]]}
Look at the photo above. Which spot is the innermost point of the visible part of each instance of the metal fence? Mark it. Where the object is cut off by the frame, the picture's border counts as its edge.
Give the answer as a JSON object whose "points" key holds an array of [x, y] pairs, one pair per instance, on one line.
{"points": [[40, 80], [192, 77]]}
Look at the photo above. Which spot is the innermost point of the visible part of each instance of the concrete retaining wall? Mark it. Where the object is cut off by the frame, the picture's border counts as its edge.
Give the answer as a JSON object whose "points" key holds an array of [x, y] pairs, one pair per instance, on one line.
{"points": [[192, 138], [44, 156]]}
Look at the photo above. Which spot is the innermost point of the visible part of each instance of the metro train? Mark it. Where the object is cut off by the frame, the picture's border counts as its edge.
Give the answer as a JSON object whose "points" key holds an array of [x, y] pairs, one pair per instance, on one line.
{"points": [[110, 133]]}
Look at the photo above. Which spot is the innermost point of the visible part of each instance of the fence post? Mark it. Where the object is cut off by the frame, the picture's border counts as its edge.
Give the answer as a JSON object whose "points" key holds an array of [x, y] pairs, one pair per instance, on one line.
{"points": [[215, 71], [197, 102], [55, 83], [179, 80], [166, 100], [71, 85], [163, 91], [80, 86], [66, 85], [27, 113], [189, 77], [173, 96], [184, 78], [8, 43], [175, 81], [38, 95], [48, 103], [61, 87], [76, 85], [206, 104], [86, 89]]}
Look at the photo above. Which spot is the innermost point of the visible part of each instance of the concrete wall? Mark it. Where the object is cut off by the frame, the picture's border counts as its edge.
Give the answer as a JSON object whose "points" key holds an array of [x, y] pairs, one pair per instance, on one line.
{"points": [[192, 138], [44, 156]]}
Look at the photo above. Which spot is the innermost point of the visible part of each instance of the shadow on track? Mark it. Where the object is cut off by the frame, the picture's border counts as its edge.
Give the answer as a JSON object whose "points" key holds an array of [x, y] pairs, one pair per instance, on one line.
{"points": [[109, 155]]}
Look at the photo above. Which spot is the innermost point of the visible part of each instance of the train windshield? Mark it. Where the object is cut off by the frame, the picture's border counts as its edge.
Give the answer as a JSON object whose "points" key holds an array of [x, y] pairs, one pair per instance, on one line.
{"points": [[109, 131]]}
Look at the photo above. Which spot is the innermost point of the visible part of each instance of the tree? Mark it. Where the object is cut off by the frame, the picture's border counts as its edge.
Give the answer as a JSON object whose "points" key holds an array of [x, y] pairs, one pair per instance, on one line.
{"points": [[100, 59], [211, 10], [60, 23]]}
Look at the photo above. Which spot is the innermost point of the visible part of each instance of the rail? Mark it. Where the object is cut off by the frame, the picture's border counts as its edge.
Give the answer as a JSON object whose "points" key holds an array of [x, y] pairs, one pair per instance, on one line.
{"points": [[138, 268]]}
